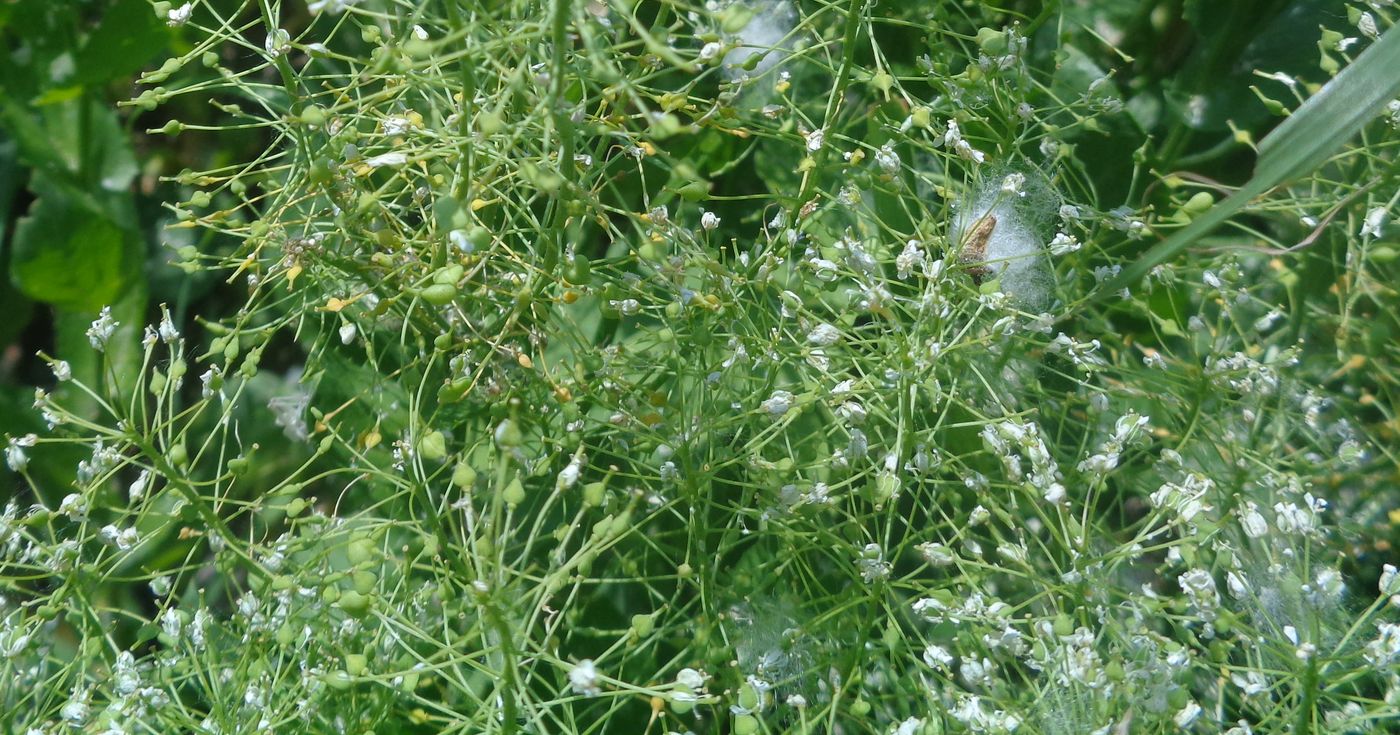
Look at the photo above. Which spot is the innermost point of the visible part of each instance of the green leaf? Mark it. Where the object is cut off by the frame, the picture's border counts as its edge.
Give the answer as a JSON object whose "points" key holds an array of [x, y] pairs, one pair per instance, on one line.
{"points": [[123, 41], [72, 257], [1334, 115], [1305, 141]]}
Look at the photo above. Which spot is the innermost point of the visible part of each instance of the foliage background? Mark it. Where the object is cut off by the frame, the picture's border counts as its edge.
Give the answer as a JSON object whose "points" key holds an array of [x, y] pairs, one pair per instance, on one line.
{"points": [[382, 531]]}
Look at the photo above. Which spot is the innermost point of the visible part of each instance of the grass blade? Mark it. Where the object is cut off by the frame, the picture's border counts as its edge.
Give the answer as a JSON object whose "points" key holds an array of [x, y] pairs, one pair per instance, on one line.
{"points": [[1311, 135]]}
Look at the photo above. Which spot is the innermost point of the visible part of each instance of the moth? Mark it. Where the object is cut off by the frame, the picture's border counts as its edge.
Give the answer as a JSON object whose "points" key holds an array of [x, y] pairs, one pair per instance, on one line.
{"points": [[974, 247]]}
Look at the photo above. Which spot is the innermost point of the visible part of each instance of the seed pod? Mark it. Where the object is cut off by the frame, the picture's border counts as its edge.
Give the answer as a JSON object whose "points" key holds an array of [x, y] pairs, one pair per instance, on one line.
{"points": [[355, 604], [514, 493], [433, 446], [448, 275], [439, 294], [463, 476], [338, 680], [356, 664]]}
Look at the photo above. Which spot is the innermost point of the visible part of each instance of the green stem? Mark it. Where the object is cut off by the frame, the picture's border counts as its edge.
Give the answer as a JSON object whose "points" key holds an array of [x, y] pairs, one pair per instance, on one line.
{"points": [[563, 11], [838, 92]]}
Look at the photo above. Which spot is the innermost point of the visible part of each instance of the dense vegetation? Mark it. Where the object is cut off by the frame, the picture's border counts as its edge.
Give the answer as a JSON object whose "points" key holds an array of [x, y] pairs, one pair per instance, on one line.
{"points": [[733, 366]]}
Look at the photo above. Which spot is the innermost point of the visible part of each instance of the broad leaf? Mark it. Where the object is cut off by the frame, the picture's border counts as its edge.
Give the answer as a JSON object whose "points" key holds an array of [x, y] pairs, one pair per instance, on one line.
{"points": [[72, 257]]}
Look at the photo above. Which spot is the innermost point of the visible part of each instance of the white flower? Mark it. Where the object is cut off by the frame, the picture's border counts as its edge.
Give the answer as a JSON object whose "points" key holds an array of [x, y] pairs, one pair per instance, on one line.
{"points": [[102, 328], [1328, 583], [815, 139], [937, 657], [1200, 587], [347, 333], [179, 16], [1367, 25], [329, 6], [693, 679], [710, 50], [396, 125], [887, 159], [777, 404], [911, 726], [74, 506], [167, 331], [171, 622], [911, 256], [1014, 184], [1062, 244], [62, 370], [583, 678], [123, 539], [387, 159], [1250, 682], [125, 679], [277, 43], [1253, 522], [419, 33], [570, 474], [709, 221], [1374, 222], [15, 455], [824, 335], [76, 709], [1187, 715], [459, 240], [1390, 580]]}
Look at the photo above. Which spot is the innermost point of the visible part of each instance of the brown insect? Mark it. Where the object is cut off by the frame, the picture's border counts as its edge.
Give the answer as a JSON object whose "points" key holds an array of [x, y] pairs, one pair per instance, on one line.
{"points": [[974, 247]]}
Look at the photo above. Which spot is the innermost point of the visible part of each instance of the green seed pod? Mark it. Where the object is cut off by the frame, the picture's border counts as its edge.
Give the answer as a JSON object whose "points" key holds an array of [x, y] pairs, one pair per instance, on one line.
{"points": [[508, 434], [313, 115], [285, 635], [749, 698], [991, 41], [409, 683], [643, 625], [439, 294], [1114, 670], [281, 583], [322, 171], [594, 493], [433, 446], [579, 271], [338, 680], [449, 274], [745, 725], [178, 455], [860, 708], [356, 664], [514, 493], [463, 476], [294, 507], [364, 581], [1063, 626], [355, 604], [360, 551], [682, 700]]}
